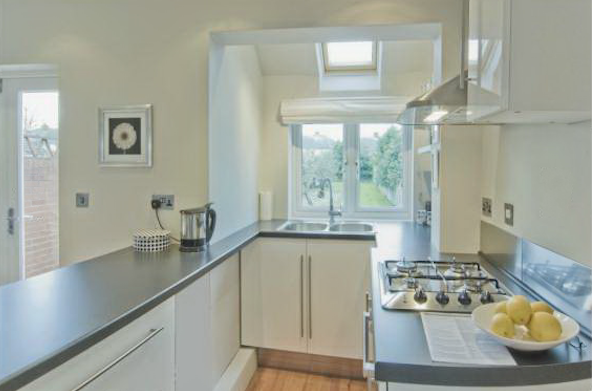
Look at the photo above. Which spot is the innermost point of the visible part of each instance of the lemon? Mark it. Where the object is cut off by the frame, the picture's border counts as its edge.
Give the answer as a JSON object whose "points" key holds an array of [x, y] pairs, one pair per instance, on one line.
{"points": [[519, 310], [501, 308], [502, 325], [541, 306], [544, 327]]}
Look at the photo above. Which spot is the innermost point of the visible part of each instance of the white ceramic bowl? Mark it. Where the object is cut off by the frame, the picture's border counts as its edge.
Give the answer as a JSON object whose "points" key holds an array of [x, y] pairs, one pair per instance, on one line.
{"points": [[483, 314]]}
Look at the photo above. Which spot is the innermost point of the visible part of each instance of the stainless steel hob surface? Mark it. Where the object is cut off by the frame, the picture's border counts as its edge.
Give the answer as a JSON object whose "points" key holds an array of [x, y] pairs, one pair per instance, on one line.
{"points": [[437, 285]]}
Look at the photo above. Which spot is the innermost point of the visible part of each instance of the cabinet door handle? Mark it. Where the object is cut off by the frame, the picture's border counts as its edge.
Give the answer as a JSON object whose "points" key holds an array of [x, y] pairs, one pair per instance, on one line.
{"points": [[153, 333], [302, 296], [309, 297]]}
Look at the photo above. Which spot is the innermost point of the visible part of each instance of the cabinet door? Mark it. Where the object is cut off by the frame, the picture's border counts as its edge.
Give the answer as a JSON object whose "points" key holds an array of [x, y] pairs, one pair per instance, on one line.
{"points": [[224, 315], [148, 367], [488, 57], [193, 343], [272, 295], [339, 274]]}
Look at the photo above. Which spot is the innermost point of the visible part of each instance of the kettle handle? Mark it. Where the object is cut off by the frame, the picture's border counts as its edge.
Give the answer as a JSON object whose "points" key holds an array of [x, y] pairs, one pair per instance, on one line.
{"points": [[211, 224]]}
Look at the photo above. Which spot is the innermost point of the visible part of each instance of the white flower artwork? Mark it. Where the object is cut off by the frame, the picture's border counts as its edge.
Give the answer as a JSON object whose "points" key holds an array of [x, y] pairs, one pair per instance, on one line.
{"points": [[124, 136]]}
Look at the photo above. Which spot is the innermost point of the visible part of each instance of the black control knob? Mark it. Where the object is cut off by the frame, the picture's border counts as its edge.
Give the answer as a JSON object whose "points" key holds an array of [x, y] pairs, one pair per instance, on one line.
{"points": [[464, 297], [420, 296], [442, 298], [486, 297]]}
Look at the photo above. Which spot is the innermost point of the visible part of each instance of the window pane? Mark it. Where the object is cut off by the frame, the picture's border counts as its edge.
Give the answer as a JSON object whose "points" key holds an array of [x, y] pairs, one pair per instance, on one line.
{"points": [[350, 53], [322, 158], [381, 166]]}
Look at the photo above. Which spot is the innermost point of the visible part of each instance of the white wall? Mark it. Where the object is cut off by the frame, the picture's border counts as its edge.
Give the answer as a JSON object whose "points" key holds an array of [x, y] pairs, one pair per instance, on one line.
{"points": [[545, 172], [153, 51], [235, 122], [458, 201]]}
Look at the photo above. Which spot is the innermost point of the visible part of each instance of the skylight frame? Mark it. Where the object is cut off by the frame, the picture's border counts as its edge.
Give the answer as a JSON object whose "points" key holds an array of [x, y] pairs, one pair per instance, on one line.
{"points": [[356, 68]]}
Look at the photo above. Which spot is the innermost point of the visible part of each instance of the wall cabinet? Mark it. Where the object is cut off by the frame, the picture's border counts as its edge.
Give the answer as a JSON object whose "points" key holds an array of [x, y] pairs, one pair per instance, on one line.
{"points": [[529, 61], [207, 327], [150, 367], [305, 295]]}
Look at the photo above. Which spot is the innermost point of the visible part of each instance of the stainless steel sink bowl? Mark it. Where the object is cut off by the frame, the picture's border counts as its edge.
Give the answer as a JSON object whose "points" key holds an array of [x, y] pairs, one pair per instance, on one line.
{"points": [[304, 226], [351, 227]]}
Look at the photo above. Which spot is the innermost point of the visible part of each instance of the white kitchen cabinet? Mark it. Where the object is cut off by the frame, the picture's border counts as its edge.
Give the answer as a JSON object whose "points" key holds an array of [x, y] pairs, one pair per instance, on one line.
{"points": [[207, 327], [273, 303], [339, 273], [224, 315], [529, 61], [149, 367], [193, 344], [305, 295]]}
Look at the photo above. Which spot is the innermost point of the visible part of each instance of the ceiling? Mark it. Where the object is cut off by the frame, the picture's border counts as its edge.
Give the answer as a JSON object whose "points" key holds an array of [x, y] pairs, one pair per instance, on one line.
{"points": [[398, 57]]}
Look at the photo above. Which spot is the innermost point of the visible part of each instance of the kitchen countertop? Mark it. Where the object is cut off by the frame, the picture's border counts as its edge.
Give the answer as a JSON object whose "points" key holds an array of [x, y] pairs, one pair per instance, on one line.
{"points": [[401, 351], [50, 318]]}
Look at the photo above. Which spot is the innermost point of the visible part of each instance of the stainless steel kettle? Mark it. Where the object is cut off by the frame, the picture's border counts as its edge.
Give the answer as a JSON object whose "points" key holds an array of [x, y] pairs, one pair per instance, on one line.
{"points": [[197, 227]]}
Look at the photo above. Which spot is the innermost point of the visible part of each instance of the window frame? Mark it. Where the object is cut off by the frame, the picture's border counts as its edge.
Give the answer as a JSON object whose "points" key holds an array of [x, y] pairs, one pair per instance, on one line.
{"points": [[351, 208]]}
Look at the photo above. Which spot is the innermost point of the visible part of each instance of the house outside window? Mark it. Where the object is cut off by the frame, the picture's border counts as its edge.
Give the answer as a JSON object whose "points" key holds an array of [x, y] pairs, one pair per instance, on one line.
{"points": [[368, 167]]}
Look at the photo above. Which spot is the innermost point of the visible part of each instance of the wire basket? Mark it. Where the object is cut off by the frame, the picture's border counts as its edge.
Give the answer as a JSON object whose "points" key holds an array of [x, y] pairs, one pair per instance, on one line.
{"points": [[152, 240]]}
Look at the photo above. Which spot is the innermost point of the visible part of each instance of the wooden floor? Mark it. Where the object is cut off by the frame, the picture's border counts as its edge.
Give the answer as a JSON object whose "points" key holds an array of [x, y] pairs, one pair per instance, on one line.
{"points": [[267, 379]]}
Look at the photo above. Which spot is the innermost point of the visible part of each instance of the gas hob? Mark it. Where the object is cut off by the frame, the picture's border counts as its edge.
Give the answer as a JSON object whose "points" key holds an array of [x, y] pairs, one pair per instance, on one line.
{"points": [[443, 286]]}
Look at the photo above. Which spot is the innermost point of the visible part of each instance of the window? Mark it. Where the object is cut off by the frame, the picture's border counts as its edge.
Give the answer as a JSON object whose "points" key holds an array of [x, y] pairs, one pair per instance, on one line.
{"points": [[350, 56], [367, 167]]}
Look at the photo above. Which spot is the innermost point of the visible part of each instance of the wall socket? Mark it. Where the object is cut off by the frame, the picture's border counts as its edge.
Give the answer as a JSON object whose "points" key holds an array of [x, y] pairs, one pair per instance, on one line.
{"points": [[509, 214], [167, 201], [486, 205], [82, 200]]}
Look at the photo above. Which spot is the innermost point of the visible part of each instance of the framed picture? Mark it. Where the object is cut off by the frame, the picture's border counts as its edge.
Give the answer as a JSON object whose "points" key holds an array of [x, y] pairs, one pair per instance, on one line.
{"points": [[125, 136]]}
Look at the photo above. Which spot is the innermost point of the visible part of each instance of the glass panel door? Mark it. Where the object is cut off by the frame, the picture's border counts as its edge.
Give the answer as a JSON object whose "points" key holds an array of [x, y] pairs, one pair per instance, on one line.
{"points": [[29, 113]]}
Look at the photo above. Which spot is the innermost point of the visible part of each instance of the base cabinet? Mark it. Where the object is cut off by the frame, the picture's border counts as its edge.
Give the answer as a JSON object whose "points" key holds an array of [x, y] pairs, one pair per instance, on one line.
{"points": [[339, 274], [140, 356], [305, 295], [207, 327]]}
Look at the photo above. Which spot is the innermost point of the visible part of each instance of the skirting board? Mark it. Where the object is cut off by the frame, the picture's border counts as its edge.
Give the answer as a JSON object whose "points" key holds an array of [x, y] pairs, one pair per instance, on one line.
{"points": [[310, 363], [240, 371]]}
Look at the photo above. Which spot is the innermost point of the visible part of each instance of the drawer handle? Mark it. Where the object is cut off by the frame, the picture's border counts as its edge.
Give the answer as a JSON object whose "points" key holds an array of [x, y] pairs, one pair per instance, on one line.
{"points": [[153, 333]]}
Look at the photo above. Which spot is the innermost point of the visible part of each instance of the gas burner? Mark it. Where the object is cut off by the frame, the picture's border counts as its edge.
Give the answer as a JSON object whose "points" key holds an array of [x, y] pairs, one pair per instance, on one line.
{"points": [[469, 287], [411, 282], [442, 285], [406, 267]]}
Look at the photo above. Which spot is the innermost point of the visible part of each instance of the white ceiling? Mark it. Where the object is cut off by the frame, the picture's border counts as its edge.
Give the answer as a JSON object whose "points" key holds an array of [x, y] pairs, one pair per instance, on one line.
{"points": [[300, 59]]}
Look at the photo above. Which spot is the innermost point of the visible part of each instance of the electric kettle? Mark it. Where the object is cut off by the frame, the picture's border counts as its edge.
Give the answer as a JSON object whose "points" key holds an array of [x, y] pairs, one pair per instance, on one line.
{"points": [[197, 228]]}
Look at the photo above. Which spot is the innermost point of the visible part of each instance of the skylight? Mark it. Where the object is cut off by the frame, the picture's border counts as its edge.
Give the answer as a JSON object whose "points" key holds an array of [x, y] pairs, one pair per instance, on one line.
{"points": [[349, 56]]}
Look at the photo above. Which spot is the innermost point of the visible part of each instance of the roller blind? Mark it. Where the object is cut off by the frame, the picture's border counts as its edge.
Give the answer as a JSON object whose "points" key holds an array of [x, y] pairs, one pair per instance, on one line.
{"points": [[341, 110]]}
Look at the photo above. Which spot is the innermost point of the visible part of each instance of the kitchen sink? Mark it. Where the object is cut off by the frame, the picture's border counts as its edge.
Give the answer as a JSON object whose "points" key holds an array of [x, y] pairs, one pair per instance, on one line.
{"points": [[304, 226], [351, 227], [336, 228]]}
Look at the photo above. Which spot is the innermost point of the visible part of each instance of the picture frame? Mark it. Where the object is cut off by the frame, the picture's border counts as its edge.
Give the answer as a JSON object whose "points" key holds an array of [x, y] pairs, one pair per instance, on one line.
{"points": [[125, 136]]}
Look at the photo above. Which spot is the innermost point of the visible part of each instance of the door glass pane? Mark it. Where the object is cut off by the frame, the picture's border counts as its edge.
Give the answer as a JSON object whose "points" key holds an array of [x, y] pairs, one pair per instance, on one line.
{"points": [[39, 116], [380, 168], [322, 159]]}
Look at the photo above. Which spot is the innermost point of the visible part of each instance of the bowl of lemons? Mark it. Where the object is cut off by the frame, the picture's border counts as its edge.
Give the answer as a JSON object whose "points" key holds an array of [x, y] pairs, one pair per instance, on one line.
{"points": [[525, 326]]}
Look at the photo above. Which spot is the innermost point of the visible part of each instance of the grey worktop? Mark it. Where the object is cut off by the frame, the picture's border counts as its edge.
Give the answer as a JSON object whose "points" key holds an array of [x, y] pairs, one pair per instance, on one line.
{"points": [[48, 319], [401, 351]]}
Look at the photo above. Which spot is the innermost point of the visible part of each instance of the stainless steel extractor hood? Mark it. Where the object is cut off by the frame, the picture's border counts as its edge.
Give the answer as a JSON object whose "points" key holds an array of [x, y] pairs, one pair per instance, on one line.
{"points": [[446, 103]]}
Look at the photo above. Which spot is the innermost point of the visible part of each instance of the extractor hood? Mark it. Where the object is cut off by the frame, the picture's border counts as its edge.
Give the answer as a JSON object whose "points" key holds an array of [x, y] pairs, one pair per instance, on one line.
{"points": [[447, 103], [444, 104]]}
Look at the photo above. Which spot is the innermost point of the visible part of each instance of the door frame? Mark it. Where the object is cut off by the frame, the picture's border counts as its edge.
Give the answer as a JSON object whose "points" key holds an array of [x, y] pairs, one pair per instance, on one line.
{"points": [[15, 247]]}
